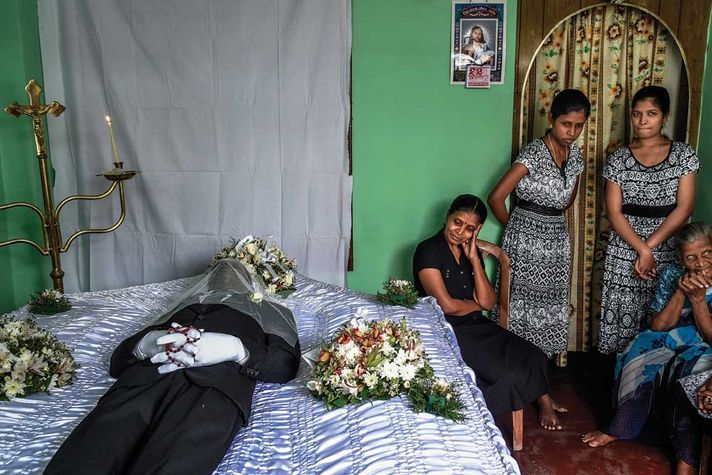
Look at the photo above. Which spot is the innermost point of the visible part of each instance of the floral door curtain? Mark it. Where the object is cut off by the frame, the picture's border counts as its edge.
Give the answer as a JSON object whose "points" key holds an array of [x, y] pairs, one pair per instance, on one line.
{"points": [[608, 52]]}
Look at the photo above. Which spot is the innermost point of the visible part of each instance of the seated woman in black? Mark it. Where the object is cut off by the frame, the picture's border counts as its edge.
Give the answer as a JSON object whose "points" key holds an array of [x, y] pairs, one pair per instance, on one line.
{"points": [[511, 372]]}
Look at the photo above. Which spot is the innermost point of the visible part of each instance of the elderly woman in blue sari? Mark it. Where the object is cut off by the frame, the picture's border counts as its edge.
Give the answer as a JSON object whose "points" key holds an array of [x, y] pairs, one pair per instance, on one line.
{"points": [[676, 345]]}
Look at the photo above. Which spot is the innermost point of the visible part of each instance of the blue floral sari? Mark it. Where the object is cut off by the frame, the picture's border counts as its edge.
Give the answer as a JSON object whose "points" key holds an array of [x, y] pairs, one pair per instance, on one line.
{"points": [[655, 360]]}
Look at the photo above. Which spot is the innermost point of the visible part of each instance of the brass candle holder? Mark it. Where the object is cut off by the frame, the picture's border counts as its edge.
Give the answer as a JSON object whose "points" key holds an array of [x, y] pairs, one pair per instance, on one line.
{"points": [[49, 218]]}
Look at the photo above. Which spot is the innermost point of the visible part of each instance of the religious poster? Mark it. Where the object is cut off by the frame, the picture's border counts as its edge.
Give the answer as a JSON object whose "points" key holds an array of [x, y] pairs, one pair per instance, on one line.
{"points": [[478, 33]]}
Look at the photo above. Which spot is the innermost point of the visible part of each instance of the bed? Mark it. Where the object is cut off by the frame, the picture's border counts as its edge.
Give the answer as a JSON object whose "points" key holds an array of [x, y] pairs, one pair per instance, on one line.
{"points": [[289, 431]]}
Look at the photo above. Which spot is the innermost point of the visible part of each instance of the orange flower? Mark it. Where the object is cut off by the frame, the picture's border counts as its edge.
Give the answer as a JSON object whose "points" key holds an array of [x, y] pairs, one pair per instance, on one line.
{"points": [[616, 90], [324, 356]]}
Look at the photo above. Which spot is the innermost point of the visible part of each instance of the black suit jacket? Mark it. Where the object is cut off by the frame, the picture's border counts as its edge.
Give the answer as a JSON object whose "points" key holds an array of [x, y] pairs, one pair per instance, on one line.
{"points": [[271, 359]]}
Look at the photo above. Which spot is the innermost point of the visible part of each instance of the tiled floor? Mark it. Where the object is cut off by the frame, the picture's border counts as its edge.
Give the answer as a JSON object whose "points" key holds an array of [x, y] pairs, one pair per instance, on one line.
{"points": [[584, 387]]}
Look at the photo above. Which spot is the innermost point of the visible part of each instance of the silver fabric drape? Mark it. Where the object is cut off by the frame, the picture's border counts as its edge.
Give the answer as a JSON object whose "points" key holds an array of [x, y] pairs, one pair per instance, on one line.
{"points": [[229, 283], [235, 112]]}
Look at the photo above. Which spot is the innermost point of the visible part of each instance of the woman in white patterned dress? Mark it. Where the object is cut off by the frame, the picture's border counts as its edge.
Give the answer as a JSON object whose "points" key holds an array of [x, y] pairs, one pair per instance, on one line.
{"points": [[650, 194], [536, 238]]}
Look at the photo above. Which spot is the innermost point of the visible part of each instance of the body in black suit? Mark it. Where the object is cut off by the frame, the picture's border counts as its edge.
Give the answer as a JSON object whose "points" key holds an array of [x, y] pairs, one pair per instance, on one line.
{"points": [[179, 422]]}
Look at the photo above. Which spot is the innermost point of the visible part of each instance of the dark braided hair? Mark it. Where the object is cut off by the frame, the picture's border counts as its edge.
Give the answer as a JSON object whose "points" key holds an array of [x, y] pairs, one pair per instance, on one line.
{"points": [[470, 204]]}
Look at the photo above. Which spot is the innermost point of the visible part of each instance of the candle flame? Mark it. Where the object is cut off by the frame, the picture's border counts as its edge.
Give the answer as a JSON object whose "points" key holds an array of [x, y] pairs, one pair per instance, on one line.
{"points": [[108, 119]]}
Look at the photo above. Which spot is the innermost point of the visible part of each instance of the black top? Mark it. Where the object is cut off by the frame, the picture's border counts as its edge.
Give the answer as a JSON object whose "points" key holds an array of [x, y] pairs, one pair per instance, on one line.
{"points": [[434, 253]]}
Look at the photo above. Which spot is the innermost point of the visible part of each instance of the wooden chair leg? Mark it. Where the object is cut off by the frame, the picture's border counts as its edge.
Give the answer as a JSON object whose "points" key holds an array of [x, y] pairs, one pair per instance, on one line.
{"points": [[705, 455], [517, 430]]}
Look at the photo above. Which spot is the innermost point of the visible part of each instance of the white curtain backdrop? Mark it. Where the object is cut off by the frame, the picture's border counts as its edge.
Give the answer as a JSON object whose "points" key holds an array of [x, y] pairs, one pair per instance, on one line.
{"points": [[234, 111]]}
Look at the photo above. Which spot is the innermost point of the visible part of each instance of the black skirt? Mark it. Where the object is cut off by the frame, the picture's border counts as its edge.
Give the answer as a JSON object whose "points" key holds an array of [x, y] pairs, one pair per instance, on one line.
{"points": [[510, 371]]}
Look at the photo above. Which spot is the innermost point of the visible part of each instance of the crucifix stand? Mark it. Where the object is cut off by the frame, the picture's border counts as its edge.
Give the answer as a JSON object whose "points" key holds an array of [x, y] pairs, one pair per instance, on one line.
{"points": [[49, 218]]}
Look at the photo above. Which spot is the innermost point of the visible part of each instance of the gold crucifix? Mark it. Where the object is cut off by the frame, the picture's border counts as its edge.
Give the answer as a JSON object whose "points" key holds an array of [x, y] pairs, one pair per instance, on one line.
{"points": [[36, 111]]}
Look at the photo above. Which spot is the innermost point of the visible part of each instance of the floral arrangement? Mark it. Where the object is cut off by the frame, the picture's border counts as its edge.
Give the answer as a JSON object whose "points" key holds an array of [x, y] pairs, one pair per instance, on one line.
{"points": [[266, 262], [48, 302], [31, 359], [380, 360], [398, 292]]}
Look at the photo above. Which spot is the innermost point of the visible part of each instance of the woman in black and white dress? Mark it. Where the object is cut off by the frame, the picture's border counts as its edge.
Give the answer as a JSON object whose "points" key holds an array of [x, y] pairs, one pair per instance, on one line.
{"points": [[650, 194], [536, 238]]}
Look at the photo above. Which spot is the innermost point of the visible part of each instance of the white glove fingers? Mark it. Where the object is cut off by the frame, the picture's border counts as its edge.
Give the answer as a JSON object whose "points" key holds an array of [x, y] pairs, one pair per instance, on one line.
{"points": [[176, 339], [168, 368], [190, 348], [160, 358], [194, 334], [183, 358]]}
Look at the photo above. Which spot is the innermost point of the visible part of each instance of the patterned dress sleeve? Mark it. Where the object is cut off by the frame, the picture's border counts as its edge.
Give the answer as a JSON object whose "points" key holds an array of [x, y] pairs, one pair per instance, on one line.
{"points": [[665, 287], [689, 162], [611, 171], [577, 163], [529, 155]]}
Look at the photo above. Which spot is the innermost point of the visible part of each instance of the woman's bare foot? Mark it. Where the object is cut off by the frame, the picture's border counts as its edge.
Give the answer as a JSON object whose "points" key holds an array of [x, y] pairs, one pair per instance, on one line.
{"points": [[683, 468], [597, 439], [547, 413]]}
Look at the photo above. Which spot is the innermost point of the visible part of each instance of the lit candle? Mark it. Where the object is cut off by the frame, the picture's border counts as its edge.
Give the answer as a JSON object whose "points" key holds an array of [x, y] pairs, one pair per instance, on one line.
{"points": [[113, 141]]}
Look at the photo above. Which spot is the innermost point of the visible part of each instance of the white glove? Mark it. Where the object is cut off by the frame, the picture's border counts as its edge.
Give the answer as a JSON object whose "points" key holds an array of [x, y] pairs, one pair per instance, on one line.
{"points": [[210, 349], [147, 347]]}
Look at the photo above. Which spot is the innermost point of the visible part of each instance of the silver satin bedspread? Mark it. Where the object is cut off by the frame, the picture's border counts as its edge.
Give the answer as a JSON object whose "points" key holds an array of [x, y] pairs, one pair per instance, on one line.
{"points": [[289, 431]]}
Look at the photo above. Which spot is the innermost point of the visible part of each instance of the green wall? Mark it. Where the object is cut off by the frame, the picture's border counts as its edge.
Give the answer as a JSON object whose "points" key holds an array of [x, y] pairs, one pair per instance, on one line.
{"points": [[417, 141], [22, 269], [703, 202]]}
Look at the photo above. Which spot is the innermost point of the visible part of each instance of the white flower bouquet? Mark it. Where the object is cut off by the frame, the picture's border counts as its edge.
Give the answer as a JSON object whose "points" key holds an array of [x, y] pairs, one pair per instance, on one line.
{"points": [[380, 360], [398, 292], [265, 261], [48, 302], [31, 359]]}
